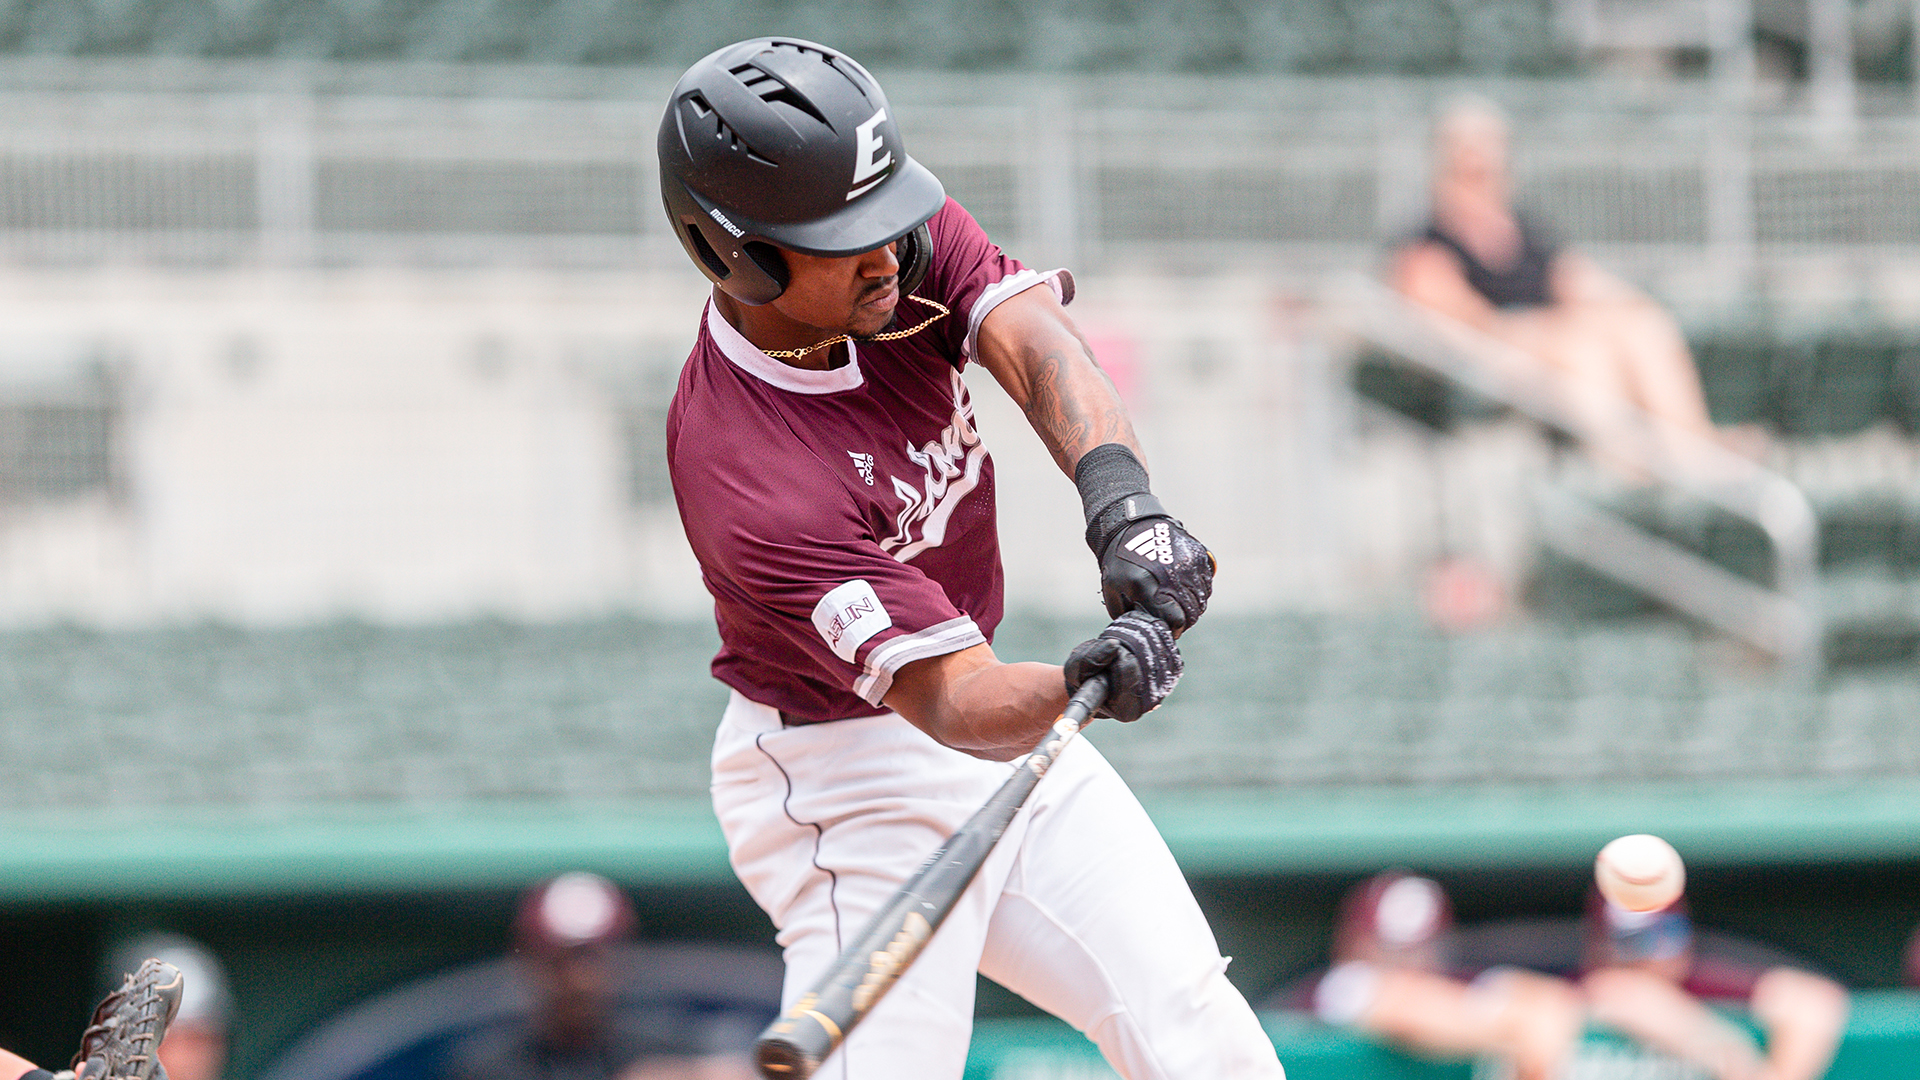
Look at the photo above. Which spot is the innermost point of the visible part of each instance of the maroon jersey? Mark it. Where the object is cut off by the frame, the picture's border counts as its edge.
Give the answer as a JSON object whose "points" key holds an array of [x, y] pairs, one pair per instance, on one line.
{"points": [[844, 519]]}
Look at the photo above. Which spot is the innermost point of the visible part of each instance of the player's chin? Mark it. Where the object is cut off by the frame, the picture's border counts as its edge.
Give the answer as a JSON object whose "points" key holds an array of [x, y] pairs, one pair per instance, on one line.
{"points": [[867, 322], [874, 313]]}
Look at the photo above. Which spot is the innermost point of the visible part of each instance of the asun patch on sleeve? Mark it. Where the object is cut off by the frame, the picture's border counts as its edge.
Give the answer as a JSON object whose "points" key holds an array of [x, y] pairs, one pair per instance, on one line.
{"points": [[848, 616]]}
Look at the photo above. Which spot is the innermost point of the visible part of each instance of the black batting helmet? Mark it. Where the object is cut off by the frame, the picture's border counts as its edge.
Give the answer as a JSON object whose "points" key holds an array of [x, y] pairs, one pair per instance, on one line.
{"points": [[781, 143]]}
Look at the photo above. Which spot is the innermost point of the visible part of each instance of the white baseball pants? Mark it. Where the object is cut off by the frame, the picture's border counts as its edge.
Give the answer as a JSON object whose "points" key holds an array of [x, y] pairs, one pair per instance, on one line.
{"points": [[1080, 909]]}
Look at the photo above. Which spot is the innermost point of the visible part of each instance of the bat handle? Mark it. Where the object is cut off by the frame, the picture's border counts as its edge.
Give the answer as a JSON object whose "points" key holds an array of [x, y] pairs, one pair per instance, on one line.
{"points": [[1091, 695]]}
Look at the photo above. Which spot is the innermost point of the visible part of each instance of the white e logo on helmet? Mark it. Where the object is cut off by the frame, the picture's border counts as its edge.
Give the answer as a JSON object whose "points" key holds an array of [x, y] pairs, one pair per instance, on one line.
{"points": [[871, 158]]}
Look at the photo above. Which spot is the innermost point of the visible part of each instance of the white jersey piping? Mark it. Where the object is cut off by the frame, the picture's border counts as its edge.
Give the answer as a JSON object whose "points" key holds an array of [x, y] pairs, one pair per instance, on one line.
{"points": [[1060, 279], [957, 633]]}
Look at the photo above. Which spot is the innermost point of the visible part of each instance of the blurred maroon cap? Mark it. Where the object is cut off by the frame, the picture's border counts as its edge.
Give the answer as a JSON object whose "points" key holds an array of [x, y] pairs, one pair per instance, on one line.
{"points": [[571, 910], [1392, 912]]}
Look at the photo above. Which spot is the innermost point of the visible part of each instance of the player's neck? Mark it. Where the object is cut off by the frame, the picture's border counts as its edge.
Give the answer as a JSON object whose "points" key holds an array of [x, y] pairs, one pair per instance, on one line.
{"points": [[771, 331]]}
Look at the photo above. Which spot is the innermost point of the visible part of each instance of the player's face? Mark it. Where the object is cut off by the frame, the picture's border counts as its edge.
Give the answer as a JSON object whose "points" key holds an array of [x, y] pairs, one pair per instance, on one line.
{"points": [[572, 989], [193, 1052], [853, 294]]}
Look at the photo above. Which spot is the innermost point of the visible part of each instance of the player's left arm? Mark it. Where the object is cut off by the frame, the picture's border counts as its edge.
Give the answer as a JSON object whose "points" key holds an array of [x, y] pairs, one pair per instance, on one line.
{"points": [[1147, 558]]}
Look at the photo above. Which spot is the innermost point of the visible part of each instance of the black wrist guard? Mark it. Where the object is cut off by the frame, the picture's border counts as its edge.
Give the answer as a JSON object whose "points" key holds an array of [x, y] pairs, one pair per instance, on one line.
{"points": [[1147, 559], [1113, 493]]}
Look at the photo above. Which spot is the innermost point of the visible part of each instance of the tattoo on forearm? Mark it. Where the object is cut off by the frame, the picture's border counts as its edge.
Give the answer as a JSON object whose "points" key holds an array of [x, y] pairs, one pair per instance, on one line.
{"points": [[1073, 406]]}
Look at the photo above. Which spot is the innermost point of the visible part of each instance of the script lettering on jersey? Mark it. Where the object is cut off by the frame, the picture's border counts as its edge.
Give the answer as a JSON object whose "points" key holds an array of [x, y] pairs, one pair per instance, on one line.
{"points": [[952, 467], [871, 158]]}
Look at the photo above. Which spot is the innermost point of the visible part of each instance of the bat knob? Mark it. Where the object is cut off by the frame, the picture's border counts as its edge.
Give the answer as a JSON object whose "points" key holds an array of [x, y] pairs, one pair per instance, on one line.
{"points": [[778, 1059]]}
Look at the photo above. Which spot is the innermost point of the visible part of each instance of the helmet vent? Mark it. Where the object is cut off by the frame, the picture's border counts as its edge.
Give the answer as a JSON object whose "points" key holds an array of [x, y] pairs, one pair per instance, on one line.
{"points": [[704, 114], [707, 255], [771, 88]]}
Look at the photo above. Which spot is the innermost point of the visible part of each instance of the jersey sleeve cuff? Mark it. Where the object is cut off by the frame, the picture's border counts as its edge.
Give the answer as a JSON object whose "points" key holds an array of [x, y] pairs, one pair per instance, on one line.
{"points": [[876, 677], [1061, 281]]}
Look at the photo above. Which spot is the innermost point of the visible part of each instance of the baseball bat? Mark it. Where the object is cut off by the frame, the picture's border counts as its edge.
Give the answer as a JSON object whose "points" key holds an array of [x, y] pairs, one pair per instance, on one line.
{"points": [[795, 1044]]}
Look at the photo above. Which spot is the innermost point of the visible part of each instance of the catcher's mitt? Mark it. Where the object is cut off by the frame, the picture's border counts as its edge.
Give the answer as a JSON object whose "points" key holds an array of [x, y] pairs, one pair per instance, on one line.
{"points": [[122, 1040]]}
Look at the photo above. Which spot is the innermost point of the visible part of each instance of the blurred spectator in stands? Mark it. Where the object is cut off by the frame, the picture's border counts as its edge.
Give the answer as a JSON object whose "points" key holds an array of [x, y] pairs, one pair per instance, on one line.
{"points": [[195, 1047], [1645, 978], [1392, 975], [566, 937], [1600, 340]]}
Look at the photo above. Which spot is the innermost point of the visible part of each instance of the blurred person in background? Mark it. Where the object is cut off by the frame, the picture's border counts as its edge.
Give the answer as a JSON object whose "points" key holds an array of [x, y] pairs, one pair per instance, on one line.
{"points": [[566, 937], [1645, 977], [1597, 339], [1393, 976], [196, 1044], [1910, 961]]}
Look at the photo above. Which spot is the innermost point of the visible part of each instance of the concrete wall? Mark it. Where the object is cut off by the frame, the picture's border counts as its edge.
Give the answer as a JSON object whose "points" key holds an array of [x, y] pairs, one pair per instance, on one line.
{"points": [[419, 446]]}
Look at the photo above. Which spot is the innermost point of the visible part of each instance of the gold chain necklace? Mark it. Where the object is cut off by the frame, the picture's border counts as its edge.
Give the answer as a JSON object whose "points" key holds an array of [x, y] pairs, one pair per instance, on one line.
{"points": [[940, 312]]}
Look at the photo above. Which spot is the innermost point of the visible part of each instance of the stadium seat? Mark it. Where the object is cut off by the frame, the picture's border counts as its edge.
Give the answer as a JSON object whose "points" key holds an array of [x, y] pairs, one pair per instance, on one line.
{"points": [[1423, 398], [1737, 375], [1839, 383], [1415, 36]]}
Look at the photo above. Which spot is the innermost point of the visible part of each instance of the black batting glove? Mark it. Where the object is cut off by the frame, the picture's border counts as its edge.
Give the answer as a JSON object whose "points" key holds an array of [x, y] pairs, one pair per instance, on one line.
{"points": [[1137, 655], [1147, 559], [1156, 566]]}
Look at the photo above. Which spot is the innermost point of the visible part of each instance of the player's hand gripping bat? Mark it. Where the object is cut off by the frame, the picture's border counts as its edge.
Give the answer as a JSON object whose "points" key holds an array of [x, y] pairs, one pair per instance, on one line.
{"points": [[796, 1043]]}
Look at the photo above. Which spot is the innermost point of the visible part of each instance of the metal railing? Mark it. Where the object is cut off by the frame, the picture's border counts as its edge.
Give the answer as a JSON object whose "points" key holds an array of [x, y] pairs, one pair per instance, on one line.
{"points": [[1784, 620], [326, 165]]}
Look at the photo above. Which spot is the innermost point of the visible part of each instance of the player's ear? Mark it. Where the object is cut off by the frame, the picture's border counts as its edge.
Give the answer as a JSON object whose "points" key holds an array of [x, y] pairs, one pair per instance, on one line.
{"points": [[915, 254]]}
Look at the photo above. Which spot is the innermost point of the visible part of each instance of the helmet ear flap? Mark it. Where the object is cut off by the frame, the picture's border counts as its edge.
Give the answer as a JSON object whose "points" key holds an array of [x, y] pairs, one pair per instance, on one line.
{"points": [[915, 255], [771, 263]]}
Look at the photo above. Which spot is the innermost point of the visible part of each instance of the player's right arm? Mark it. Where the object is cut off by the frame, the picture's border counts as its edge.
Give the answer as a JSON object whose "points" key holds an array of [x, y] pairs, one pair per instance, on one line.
{"points": [[971, 701]]}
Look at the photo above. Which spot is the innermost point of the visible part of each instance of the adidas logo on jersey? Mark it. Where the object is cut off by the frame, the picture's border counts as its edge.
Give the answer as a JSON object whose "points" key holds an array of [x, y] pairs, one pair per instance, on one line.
{"points": [[1155, 544], [863, 463]]}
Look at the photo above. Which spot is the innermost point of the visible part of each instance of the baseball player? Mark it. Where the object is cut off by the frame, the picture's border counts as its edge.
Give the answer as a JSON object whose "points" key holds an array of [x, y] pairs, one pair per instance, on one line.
{"points": [[837, 493]]}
